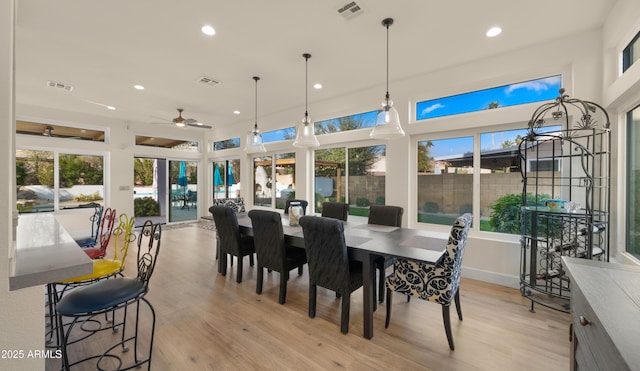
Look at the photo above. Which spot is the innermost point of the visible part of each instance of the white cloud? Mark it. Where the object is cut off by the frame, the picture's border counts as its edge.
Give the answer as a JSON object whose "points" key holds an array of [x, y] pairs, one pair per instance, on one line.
{"points": [[537, 85], [432, 108]]}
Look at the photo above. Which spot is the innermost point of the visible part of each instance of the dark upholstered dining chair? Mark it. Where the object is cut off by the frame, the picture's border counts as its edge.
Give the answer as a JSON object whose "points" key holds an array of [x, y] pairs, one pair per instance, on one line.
{"points": [[384, 215], [272, 252], [231, 241], [329, 264], [336, 210], [437, 282], [302, 203]]}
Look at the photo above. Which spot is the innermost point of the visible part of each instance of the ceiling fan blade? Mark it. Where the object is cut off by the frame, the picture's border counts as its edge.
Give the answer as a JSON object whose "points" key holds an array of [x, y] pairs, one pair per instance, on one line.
{"points": [[202, 126], [190, 121]]}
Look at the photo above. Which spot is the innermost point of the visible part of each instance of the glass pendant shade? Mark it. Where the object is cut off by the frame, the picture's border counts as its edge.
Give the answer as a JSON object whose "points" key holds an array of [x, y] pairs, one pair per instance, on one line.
{"points": [[387, 123], [254, 138], [254, 142], [305, 132]]}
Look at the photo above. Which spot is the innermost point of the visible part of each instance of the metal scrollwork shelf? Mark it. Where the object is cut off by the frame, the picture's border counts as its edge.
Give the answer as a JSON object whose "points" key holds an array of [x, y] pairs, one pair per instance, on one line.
{"points": [[565, 162]]}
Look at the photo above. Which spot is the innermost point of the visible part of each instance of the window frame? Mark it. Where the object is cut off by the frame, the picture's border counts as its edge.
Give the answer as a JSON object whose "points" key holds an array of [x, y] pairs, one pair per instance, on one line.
{"points": [[56, 171]]}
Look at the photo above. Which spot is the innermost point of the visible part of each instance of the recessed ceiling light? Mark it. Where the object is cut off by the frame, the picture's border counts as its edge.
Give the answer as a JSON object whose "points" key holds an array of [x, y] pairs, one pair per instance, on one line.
{"points": [[494, 31], [317, 86], [236, 112], [111, 108], [139, 87], [208, 30]]}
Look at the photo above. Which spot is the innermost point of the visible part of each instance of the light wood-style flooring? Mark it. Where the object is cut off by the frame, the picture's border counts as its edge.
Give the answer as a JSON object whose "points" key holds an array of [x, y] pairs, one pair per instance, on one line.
{"points": [[209, 322]]}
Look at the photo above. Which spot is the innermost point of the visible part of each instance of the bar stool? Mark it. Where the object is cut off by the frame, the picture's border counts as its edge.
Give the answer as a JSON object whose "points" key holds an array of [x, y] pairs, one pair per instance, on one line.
{"points": [[83, 307], [102, 269]]}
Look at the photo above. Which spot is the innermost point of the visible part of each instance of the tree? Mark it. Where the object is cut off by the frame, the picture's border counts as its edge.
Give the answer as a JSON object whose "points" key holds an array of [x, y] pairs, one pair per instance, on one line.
{"points": [[425, 162], [143, 170]]}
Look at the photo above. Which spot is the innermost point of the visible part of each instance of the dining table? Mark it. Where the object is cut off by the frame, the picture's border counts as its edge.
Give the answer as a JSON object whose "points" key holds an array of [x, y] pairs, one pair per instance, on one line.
{"points": [[365, 242]]}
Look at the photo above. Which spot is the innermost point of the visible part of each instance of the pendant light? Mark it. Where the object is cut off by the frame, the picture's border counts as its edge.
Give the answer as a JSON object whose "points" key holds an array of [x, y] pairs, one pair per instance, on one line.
{"points": [[388, 121], [254, 138], [305, 134]]}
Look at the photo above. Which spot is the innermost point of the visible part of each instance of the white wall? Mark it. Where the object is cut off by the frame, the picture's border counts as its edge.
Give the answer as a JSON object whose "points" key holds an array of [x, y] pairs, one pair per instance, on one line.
{"points": [[21, 312]]}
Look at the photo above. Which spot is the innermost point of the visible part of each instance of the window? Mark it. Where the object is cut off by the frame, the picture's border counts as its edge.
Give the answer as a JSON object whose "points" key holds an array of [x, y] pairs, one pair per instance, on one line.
{"points": [[501, 96], [346, 123], [226, 179], [365, 181], [273, 188], [49, 180], [445, 179], [631, 53], [177, 144], [226, 144], [59, 131], [279, 135], [633, 182]]}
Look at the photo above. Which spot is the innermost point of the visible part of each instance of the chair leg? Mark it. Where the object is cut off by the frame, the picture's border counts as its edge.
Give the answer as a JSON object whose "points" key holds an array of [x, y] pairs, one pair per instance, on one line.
{"points": [[222, 264], [239, 268], [381, 284], [312, 300], [251, 260], [282, 296], [300, 270], [408, 298], [458, 308], [387, 317], [259, 280], [344, 320], [447, 325]]}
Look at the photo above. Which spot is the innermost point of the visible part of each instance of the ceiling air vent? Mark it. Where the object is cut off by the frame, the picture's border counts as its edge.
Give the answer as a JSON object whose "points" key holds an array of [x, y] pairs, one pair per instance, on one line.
{"points": [[59, 85], [350, 10], [208, 81]]}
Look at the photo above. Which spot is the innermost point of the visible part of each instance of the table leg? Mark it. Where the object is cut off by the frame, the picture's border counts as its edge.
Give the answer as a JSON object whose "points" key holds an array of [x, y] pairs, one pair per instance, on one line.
{"points": [[368, 270]]}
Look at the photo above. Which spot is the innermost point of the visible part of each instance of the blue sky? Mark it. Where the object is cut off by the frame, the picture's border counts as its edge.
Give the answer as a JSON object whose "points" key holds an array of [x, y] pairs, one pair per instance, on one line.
{"points": [[507, 95]]}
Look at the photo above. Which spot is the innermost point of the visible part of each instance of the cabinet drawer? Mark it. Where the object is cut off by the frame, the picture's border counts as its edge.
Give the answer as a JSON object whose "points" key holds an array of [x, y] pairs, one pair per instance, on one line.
{"points": [[594, 348]]}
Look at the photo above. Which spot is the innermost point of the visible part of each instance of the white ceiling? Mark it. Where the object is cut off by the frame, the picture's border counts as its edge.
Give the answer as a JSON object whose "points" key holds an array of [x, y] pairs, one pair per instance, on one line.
{"points": [[103, 48]]}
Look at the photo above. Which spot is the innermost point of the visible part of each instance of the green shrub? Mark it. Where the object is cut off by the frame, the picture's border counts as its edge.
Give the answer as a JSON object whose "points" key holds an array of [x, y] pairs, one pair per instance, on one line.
{"points": [[90, 198], [430, 207], [362, 201], [507, 211], [146, 206], [380, 200], [466, 208]]}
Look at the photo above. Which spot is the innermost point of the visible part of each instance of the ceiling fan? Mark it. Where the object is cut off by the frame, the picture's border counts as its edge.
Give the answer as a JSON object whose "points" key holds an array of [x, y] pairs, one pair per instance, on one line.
{"points": [[182, 122]]}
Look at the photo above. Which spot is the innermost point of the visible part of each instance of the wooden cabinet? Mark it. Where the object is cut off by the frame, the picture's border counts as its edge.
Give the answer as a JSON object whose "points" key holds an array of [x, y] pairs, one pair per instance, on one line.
{"points": [[605, 304]]}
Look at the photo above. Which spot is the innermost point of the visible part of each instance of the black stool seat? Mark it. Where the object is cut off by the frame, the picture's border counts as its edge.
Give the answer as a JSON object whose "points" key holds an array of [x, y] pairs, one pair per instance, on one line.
{"points": [[100, 296]]}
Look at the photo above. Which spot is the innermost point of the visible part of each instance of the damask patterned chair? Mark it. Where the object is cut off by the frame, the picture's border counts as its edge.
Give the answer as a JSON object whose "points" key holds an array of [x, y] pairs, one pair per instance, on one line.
{"points": [[272, 252], [336, 210], [237, 204], [390, 216], [230, 239], [329, 264], [439, 282]]}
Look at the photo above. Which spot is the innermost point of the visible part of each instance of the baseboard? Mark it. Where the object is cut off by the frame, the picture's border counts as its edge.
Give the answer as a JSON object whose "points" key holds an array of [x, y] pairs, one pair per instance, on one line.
{"points": [[491, 277]]}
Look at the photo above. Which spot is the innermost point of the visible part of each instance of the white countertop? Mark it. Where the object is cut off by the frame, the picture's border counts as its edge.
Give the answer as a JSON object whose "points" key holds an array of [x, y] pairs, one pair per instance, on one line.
{"points": [[44, 252]]}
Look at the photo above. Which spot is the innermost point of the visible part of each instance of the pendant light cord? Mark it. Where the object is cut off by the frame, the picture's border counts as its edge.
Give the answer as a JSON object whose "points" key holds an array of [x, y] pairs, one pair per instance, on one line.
{"points": [[306, 87], [255, 127], [387, 96]]}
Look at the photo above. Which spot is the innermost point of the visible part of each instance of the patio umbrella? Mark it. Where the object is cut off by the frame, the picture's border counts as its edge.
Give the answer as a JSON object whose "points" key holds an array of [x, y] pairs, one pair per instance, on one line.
{"points": [[182, 175], [217, 179], [230, 180]]}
